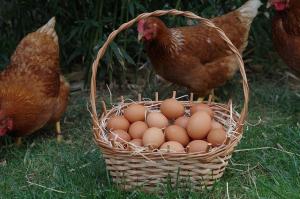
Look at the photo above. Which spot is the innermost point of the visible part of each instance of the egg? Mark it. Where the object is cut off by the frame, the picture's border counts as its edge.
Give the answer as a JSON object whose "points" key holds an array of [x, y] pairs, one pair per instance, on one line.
{"points": [[172, 147], [135, 112], [153, 138], [118, 122], [201, 107], [199, 146], [156, 119], [199, 125], [119, 135], [217, 137], [182, 121], [216, 125], [137, 142], [177, 133], [172, 108], [137, 129]]}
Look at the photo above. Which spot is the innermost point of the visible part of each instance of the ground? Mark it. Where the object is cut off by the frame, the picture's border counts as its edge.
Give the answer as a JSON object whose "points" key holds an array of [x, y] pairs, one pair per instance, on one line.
{"points": [[265, 165]]}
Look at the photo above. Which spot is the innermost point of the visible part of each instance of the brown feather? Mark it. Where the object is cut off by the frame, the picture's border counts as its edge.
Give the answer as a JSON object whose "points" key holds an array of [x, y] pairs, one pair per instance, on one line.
{"points": [[286, 35]]}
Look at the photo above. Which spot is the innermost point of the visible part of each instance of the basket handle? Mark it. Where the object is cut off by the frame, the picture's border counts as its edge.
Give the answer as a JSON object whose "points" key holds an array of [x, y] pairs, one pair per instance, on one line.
{"points": [[188, 14]]}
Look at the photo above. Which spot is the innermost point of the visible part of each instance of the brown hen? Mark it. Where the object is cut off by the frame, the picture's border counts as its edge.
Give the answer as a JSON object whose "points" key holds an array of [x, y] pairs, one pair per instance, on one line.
{"points": [[195, 56], [286, 31], [32, 90]]}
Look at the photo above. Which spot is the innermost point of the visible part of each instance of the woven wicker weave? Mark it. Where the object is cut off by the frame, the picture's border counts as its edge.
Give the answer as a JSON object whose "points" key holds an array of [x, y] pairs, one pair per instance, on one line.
{"points": [[150, 169]]}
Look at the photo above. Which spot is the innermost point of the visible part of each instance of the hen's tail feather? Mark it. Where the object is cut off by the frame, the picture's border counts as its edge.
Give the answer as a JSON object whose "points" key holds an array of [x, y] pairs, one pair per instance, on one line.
{"points": [[250, 8], [48, 28]]}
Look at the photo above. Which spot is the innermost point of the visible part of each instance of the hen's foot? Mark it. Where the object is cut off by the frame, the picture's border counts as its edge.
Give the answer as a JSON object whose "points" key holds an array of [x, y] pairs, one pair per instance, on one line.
{"points": [[59, 136], [200, 99], [211, 97]]}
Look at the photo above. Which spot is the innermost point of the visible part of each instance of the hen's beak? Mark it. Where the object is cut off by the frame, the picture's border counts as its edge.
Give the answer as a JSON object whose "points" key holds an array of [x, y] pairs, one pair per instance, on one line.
{"points": [[140, 36]]}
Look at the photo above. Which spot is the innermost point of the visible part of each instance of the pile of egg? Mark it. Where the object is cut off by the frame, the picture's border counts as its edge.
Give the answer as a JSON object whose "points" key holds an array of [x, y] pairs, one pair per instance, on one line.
{"points": [[170, 129]]}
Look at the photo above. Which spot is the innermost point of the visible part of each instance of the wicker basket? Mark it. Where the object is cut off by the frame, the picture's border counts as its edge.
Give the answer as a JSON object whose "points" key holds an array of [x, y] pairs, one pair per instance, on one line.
{"points": [[151, 169]]}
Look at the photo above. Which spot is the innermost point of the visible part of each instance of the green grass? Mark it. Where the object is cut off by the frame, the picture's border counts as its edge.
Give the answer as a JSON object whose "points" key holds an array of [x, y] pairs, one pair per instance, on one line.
{"points": [[42, 168]]}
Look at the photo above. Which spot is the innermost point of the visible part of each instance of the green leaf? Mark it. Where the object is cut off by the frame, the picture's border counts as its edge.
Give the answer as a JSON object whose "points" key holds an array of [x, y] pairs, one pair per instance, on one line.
{"points": [[127, 57], [116, 50]]}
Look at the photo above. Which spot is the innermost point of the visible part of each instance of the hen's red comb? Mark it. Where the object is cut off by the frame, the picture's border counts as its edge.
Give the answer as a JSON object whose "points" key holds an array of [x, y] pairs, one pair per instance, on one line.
{"points": [[141, 25]]}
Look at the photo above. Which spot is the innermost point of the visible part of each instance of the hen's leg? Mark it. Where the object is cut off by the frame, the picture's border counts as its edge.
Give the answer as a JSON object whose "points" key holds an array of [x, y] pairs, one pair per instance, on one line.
{"points": [[59, 136], [18, 141], [61, 105], [200, 97], [211, 97]]}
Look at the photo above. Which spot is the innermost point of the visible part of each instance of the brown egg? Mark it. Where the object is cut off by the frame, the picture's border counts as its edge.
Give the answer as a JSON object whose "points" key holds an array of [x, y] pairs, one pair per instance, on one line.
{"points": [[172, 108], [156, 119], [217, 137], [199, 146], [201, 107], [177, 133], [172, 147], [137, 129], [117, 122], [153, 137], [137, 142], [199, 125], [135, 112], [119, 135], [216, 125], [182, 121]]}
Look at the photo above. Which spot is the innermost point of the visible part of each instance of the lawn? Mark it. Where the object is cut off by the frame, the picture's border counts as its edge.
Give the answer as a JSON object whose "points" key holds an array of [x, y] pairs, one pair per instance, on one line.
{"points": [[265, 165]]}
